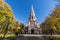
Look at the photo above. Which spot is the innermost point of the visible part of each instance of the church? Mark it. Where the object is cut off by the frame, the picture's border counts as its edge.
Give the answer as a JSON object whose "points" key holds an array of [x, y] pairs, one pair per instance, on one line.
{"points": [[32, 26]]}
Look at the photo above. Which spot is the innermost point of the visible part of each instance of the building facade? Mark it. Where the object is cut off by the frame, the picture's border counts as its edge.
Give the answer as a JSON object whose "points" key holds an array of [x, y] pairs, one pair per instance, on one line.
{"points": [[32, 27]]}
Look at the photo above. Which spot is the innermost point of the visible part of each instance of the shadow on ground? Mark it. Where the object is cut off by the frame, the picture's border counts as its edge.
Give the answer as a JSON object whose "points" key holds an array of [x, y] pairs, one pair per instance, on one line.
{"points": [[28, 38]]}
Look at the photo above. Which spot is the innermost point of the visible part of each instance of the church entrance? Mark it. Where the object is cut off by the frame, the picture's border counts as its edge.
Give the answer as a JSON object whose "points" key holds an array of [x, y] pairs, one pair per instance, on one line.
{"points": [[32, 31]]}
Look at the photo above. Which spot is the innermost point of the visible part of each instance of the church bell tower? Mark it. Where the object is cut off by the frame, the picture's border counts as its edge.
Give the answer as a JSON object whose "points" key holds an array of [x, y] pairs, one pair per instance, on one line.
{"points": [[33, 27], [32, 18]]}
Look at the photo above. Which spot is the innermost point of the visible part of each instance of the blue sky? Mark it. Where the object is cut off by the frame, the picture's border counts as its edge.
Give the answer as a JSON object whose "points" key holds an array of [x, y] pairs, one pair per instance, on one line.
{"points": [[21, 9]]}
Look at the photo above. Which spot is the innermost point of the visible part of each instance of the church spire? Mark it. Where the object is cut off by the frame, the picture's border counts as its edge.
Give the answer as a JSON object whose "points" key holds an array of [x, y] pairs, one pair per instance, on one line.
{"points": [[32, 14], [32, 11]]}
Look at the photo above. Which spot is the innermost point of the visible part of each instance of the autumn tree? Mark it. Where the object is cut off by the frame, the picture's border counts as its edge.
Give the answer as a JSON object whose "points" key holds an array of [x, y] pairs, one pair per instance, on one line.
{"points": [[52, 23], [8, 23]]}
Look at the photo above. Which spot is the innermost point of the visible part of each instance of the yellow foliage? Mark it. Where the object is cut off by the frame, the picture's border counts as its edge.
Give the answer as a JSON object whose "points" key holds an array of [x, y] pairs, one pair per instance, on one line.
{"points": [[57, 10]]}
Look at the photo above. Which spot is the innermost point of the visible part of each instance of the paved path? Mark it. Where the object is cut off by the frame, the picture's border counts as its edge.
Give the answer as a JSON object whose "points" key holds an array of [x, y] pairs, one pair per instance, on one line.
{"points": [[33, 37], [28, 38], [38, 35]]}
